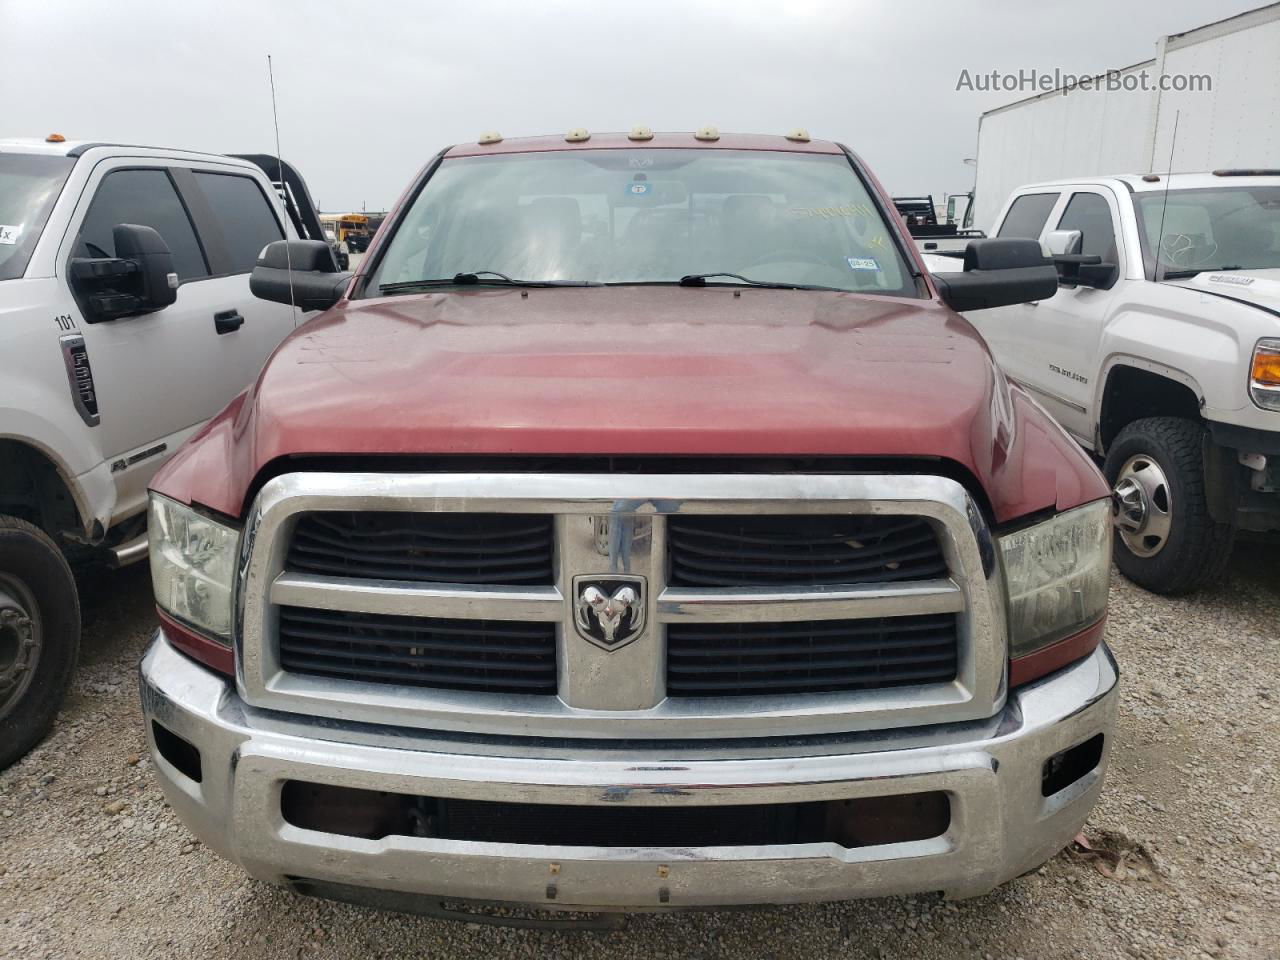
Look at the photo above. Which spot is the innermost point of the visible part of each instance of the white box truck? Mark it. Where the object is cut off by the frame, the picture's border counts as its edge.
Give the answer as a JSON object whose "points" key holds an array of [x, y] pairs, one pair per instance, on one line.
{"points": [[1124, 122]]}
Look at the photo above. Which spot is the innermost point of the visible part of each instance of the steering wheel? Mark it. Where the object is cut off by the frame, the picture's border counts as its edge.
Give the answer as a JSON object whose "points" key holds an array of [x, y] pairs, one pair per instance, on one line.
{"points": [[1183, 250], [789, 255]]}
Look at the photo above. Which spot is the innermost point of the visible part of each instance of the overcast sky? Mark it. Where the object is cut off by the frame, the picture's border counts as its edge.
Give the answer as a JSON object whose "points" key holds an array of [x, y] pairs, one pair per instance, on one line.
{"points": [[368, 91]]}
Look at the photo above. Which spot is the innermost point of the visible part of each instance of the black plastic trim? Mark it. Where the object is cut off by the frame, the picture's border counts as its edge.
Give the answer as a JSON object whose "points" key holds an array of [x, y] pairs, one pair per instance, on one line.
{"points": [[1248, 439], [208, 230], [86, 404]]}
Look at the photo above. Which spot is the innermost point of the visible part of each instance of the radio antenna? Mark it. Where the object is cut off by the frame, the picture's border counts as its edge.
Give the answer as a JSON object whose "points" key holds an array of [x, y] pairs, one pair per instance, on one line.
{"points": [[1173, 140], [275, 119]]}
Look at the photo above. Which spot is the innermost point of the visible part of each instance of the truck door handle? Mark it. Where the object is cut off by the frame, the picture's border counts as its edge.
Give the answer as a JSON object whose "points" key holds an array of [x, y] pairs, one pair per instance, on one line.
{"points": [[228, 321]]}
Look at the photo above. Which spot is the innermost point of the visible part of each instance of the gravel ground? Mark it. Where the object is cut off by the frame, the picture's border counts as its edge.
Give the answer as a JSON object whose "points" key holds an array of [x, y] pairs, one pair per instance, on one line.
{"points": [[94, 864]]}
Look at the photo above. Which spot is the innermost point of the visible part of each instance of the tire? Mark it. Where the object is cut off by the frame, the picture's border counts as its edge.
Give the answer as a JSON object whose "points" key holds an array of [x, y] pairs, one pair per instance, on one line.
{"points": [[1165, 538], [39, 635]]}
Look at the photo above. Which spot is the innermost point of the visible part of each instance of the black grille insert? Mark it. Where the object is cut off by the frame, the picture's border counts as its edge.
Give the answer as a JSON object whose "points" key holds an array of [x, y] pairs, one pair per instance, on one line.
{"points": [[754, 659], [485, 656], [486, 548], [744, 551], [374, 814]]}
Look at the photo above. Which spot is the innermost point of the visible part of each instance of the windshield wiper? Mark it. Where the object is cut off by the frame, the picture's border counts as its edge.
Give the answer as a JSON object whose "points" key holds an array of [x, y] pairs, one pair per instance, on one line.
{"points": [[700, 280], [1188, 274], [486, 277]]}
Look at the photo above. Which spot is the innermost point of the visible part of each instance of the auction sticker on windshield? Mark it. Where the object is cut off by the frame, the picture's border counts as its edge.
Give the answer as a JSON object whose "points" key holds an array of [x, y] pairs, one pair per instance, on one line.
{"points": [[863, 263], [9, 234]]}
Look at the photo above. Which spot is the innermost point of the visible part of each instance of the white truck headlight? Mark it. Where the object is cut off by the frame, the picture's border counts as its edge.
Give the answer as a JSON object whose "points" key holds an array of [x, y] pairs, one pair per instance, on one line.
{"points": [[193, 561], [1264, 376], [1057, 574]]}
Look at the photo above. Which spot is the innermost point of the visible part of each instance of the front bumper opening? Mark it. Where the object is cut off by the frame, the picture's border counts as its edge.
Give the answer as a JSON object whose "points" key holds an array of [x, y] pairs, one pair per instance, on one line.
{"points": [[850, 823], [1063, 769], [182, 754]]}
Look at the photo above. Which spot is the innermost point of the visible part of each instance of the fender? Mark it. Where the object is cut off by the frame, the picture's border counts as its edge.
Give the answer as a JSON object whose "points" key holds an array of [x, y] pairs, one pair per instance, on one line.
{"points": [[92, 490], [1151, 366], [1200, 344]]}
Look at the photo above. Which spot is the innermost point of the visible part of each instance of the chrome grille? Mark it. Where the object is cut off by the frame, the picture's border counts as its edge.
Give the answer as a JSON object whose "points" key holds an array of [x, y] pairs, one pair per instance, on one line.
{"points": [[901, 624]]}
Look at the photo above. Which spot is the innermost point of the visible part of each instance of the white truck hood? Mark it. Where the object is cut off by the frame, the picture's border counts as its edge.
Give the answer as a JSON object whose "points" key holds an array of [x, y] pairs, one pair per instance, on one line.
{"points": [[1258, 287]]}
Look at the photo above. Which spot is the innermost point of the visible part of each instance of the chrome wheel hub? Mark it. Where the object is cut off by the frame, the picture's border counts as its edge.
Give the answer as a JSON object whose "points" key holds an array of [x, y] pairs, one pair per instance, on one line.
{"points": [[1142, 506], [19, 643]]}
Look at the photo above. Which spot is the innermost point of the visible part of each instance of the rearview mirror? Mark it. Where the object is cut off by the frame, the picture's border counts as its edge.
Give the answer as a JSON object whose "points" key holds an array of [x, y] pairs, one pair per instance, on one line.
{"points": [[999, 272], [138, 279], [298, 272]]}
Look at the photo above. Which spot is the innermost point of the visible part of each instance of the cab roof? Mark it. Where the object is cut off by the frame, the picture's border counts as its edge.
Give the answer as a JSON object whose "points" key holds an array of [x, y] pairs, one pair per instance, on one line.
{"points": [[1138, 182], [658, 141], [77, 148], [42, 146]]}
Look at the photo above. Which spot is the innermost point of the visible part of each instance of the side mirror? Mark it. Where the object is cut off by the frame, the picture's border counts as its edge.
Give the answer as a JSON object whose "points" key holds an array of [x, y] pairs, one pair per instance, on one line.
{"points": [[303, 273], [999, 272], [139, 279], [1076, 269], [1063, 243]]}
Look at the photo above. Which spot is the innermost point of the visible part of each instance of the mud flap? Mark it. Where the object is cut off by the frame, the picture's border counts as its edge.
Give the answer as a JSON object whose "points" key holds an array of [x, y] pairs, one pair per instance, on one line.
{"points": [[1222, 480]]}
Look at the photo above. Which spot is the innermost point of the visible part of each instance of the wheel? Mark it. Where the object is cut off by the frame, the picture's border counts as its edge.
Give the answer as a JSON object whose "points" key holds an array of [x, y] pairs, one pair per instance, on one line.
{"points": [[1165, 538], [39, 635]]}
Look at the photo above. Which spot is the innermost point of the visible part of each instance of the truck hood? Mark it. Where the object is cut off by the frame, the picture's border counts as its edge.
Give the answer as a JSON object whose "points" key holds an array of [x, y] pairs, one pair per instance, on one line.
{"points": [[1260, 288], [638, 371]]}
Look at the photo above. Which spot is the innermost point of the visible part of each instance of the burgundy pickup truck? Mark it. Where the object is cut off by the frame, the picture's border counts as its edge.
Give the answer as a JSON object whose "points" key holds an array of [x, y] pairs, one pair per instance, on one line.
{"points": [[638, 528]]}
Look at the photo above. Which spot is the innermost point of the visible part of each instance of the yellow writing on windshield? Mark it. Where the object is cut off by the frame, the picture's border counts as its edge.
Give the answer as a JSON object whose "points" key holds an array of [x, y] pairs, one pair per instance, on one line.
{"points": [[828, 213]]}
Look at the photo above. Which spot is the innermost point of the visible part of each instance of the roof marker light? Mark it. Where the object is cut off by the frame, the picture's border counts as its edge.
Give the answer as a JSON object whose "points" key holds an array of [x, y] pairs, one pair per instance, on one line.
{"points": [[640, 133], [490, 136], [707, 133], [55, 138], [577, 135], [799, 135], [1150, 178]]}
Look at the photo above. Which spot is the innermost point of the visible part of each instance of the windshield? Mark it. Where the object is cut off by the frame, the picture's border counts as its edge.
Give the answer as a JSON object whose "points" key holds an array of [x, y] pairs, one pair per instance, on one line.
{"points": [[648, 216], [1223, 228], [29, 184]]}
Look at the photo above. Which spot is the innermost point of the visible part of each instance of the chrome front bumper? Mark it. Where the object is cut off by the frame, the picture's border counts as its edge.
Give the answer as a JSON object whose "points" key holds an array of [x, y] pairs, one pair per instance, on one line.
{"points": [[1001, 825]]}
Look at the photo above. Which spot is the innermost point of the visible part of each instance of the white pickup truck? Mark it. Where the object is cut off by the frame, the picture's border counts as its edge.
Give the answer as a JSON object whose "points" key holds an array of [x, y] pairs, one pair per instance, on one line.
{"points": [[126, 322], [1160, 351]]}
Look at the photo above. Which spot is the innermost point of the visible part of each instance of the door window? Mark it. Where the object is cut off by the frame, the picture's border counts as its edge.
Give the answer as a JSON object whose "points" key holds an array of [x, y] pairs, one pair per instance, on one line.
{"points": [[1090, 214], [145, 197], [242, 211], [1027, 215]]}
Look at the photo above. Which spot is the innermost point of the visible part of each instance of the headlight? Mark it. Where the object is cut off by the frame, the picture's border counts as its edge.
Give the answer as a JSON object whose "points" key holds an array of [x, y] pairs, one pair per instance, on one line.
{"points": [[1057, 574], [1264, 377], [193, 561]]}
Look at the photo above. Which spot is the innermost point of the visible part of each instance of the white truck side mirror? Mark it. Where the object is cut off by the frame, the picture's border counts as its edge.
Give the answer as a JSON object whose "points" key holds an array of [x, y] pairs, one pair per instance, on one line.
{"points": [[1063, 243]]}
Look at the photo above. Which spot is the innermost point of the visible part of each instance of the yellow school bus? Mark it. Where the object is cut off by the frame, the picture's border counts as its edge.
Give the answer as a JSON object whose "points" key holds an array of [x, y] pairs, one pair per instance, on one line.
{"points": [[349, 228]]}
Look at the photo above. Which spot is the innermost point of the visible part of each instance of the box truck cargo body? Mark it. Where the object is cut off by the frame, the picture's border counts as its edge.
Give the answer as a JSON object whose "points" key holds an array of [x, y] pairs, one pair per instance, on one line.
{"points": [[1220, 82]]}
